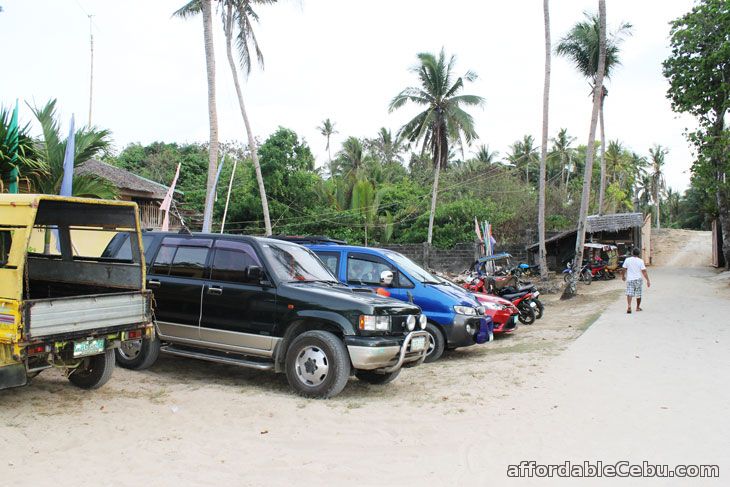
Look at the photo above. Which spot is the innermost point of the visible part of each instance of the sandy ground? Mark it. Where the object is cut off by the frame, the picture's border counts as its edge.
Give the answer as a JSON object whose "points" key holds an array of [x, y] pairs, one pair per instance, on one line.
{"points": [[646, 386]]}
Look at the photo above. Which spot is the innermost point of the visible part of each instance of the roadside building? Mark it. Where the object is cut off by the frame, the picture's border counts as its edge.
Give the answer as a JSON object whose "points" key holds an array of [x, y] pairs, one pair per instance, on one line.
{"points": [[625, 230]]}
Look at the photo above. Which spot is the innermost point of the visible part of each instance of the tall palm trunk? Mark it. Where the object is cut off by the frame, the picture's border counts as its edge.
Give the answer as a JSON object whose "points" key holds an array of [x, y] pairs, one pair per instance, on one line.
{"points": [[435, 187], [212, 115], [249, 132], [602, 187], [571, 288], [543, 153], [658, 205]]}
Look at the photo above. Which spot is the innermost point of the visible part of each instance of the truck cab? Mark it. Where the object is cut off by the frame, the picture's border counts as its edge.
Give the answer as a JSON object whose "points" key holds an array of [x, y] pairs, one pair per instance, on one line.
{"points": [[455, 317], [270, 305], [61, 305]]}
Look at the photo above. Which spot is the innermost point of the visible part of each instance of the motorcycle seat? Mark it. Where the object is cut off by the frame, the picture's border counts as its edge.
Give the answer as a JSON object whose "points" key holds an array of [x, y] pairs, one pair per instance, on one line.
{"points": [[512, 297]]}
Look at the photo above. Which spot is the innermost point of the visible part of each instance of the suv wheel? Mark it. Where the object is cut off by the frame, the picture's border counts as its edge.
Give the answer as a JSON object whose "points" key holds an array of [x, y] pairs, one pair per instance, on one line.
{"points": [[138, 354], [436, 343], [317, 364]]}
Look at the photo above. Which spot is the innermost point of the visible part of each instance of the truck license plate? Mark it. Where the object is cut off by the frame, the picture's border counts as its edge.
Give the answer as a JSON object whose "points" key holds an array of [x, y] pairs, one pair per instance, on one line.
{"points": [[88, 347], [418, 343]]}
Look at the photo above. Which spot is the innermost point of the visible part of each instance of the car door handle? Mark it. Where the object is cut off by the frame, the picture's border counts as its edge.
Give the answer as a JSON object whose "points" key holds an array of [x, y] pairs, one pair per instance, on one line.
{"points": [[216, 291], [153, 283]]}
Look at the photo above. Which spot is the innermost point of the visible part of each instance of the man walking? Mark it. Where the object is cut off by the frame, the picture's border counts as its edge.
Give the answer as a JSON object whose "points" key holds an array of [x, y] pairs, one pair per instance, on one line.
{"points": [[633, 270]]}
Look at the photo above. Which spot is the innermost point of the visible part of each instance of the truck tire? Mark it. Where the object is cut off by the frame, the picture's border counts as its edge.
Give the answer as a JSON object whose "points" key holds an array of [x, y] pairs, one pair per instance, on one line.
{"points": [[138, 354], [376, 379], [436, 343], [94, 371], [317, 364]]}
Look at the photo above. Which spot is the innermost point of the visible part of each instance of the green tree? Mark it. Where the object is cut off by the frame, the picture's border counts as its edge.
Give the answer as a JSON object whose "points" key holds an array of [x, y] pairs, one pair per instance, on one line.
{"points": [[327, 129], [658, 184], [581, 46], [571, 290], [17, 149], [698, 71], [486, 155], [564, 154], [524, 154], [443, 119]]}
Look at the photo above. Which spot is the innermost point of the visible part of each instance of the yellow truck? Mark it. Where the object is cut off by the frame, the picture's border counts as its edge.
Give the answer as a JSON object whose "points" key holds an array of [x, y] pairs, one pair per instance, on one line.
{"points": [[61, 308]]}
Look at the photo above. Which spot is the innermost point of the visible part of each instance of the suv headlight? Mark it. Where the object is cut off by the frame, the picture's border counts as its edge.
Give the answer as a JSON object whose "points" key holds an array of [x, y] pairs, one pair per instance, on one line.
{"points": [[374, 323], [422, 321], [411, 322], [465, 310]]}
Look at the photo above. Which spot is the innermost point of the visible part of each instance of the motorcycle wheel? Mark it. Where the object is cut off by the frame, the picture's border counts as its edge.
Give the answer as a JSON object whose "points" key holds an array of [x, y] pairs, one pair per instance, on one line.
{"points": [[611, 275], [587, 277], [539, 309], [566, 277], [527, 314]]}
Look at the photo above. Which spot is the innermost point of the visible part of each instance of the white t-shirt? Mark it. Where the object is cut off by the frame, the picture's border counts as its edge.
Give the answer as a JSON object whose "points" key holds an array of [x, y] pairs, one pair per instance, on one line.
{"points": [[633, 266]]}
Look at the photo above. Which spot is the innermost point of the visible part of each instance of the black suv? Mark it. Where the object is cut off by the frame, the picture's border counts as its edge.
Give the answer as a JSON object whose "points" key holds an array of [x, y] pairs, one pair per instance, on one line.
{"points": [[271, 305]]}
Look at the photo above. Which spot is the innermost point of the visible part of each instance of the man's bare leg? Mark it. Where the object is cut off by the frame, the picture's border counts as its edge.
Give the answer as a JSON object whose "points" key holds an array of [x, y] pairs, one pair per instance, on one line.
{"points": [[628, 303], [638, 304]]}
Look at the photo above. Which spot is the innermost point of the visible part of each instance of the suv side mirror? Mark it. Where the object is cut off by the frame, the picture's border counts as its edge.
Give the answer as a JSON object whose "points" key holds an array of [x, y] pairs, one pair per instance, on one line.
{"points": [[254, 273], [386, 278]]}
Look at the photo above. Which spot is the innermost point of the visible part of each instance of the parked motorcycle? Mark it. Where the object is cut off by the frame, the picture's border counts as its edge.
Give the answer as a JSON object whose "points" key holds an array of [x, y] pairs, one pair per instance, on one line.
{"points": [[585, 275]]}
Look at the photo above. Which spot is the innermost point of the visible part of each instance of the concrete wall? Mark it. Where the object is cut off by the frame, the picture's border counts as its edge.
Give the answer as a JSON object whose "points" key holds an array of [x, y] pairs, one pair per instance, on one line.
{"points": [[453, 260]]}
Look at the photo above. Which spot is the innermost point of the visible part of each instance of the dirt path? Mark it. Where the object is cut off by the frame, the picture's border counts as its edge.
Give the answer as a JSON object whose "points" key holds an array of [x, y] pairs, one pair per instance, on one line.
{"points": [[632, 386]]}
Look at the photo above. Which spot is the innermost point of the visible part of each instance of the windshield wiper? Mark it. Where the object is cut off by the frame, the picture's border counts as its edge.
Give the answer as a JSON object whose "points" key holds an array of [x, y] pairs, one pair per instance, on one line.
{"points": [[323, 281]]}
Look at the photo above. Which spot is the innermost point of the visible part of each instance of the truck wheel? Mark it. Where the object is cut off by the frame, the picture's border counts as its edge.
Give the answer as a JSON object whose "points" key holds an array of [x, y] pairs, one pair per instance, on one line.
{"points": [[138, 354], [377, 379], [94, 371], [436, 343], [317, 364]]}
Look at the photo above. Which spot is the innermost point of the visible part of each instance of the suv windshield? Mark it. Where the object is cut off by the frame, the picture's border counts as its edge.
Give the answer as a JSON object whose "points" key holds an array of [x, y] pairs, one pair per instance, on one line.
{"points": [[416, 271], [295, 263]]}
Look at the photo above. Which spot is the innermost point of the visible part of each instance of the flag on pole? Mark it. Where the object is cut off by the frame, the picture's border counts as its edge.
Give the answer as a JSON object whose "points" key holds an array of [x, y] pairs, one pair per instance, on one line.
{"points": [[12, 141], [68, 162], [476, 227], [167, 201]]}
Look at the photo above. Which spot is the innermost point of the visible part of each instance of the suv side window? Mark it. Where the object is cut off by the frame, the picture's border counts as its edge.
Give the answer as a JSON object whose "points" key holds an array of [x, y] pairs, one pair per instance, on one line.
{"points": [[363, 269], [189, 262], [125, 250], [331, 260], [161, 266], [231, 260]]}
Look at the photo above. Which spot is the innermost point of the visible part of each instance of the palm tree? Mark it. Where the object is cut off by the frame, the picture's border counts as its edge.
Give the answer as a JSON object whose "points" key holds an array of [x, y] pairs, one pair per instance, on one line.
{"points": [[186, 11], [564, 153], [570, 289], [581, 45], [544, 150], [237, 17], [327, 129], [88, 144], [658, 184], [524, 154], [485, 155], [443, 120], [17, 150], [386, 147]]}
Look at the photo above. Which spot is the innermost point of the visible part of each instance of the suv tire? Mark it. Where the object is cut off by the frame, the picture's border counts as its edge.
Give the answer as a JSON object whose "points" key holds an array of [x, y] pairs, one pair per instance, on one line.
{"points": [[317, 364], [376, 379], [94, 371], [138, 354], [436, 343]]}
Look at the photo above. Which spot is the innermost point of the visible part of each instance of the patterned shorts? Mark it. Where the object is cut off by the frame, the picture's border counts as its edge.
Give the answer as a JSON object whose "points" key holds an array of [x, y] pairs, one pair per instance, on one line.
{"points": [[633, 288]]}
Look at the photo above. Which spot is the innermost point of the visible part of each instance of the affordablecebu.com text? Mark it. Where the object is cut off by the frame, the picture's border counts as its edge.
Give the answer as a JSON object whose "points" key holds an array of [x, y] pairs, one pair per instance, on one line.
{"points": [[623, 468]]}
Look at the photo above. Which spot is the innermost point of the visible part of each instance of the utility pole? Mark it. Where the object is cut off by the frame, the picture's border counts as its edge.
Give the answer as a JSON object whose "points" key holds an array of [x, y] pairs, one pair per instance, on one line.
{"points": [[91, 71]]}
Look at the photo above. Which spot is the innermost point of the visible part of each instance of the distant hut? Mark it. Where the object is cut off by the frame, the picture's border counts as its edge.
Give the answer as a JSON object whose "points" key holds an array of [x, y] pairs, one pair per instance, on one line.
{"points": [[130, 187], [621, 229]]}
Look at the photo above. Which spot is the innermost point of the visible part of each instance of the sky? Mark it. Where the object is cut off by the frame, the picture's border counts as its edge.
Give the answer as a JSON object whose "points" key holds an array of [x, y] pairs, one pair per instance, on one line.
{"points": [[337, 59]]}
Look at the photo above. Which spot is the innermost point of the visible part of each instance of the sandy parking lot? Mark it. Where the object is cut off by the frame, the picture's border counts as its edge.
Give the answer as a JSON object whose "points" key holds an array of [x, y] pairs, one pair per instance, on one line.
{"points": [[186, 422]]}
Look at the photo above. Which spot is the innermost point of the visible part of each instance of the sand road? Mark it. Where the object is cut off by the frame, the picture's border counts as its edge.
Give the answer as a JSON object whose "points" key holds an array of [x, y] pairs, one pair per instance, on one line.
{"points": [[648, 386]]}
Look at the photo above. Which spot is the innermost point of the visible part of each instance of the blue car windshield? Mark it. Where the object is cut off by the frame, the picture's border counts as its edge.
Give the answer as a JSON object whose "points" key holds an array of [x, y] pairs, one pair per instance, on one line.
{"points": [[410, 267]]}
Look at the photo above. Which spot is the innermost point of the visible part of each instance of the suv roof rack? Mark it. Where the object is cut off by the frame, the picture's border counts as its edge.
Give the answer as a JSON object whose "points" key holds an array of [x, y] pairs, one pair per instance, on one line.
{"points": [[310, 239]]}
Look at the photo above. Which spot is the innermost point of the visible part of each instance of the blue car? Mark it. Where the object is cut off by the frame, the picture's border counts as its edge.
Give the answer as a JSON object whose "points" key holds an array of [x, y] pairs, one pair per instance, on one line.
{"points": [[455, 317]]}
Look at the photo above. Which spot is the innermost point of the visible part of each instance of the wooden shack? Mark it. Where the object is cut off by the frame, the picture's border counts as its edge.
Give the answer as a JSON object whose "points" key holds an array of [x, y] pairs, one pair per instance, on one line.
{"points": [[621, 229]]}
